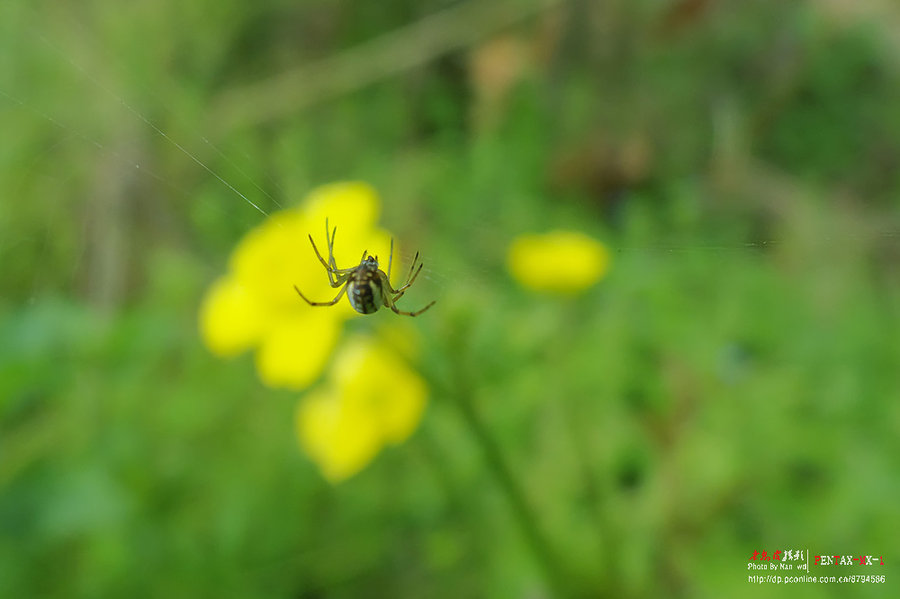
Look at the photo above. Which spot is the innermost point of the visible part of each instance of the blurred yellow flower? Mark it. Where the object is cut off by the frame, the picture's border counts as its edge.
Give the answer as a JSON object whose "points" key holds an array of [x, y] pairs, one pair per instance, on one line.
{"points": [[255, 305], [372, 398], [559, 261]]}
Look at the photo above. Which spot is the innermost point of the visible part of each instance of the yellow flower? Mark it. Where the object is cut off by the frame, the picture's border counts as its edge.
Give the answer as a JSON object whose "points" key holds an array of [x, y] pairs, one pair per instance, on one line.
{"points": [[372, 398], [255, 305], [559, 261]]}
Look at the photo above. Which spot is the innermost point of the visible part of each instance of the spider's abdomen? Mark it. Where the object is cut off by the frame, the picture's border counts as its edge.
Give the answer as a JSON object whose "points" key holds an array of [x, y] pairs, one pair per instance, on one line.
{"points": [[364, 291]]}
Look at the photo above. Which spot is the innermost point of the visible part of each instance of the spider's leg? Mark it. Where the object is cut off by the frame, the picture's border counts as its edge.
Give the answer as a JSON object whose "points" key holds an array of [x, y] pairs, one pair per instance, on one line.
{"points": [[390, 294], [416, 313], [331, 303], [391, 303], [409, 277], [412, 267], [410, 281], [390, 259], [331, 239], [328, 269]]}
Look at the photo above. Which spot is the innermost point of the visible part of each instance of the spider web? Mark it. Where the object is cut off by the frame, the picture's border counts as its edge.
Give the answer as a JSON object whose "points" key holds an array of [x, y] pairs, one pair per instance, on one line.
{"points": [[96, 125]]}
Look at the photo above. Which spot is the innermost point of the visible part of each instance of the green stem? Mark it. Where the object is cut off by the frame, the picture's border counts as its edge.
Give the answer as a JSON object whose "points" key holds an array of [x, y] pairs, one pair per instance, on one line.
{"points": [[512, 490]]}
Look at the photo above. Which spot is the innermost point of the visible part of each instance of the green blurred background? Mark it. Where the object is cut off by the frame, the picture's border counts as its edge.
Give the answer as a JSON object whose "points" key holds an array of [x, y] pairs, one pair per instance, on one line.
{"points": [[731, 386]]}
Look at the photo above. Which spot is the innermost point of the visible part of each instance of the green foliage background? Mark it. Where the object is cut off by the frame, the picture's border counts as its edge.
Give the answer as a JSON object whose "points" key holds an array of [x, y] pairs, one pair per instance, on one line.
{"points": [[731, 386]]}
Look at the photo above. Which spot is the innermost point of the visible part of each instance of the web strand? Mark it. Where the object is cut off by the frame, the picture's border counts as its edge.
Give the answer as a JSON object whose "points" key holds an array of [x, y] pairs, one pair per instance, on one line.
{"points": [[156, 128]]}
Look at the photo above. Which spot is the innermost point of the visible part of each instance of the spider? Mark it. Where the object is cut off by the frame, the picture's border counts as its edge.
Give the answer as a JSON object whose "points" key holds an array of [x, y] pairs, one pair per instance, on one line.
{"points": [[367, 287]]}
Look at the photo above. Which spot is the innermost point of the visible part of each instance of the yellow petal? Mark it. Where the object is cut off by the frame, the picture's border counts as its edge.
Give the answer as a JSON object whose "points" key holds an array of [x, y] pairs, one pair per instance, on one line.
{"points": [[277, 255], [339, 440], [560, 261], [295, 351], [372, 398], [373, 379], [231, 318], [402, 413], [351, 206]]}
